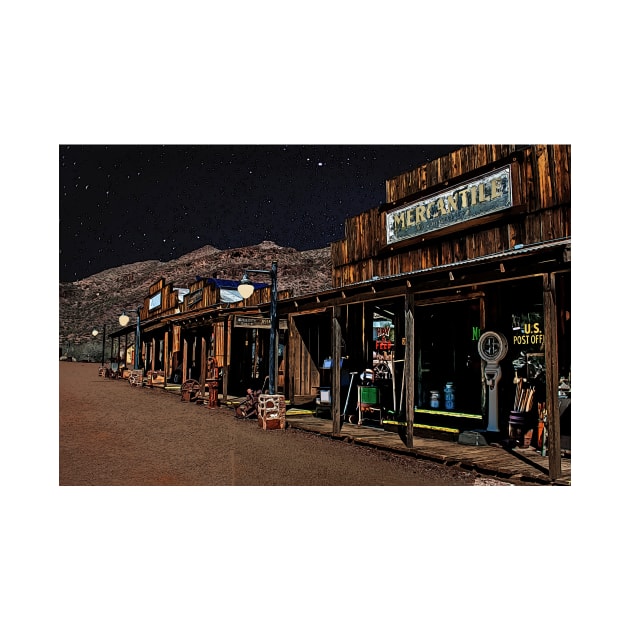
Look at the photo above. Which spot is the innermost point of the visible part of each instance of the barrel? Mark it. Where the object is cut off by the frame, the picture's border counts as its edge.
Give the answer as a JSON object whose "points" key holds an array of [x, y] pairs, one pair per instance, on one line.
{"points": [[517, 425]]}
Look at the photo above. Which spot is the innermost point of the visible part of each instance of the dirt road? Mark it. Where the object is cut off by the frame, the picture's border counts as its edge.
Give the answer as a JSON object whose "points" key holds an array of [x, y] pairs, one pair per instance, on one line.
{"points": [[113, 434]]}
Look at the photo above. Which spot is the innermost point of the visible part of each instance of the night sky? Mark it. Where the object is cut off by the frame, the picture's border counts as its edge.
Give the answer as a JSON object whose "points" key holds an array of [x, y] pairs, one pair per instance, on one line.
{"points": [[127, 203]]}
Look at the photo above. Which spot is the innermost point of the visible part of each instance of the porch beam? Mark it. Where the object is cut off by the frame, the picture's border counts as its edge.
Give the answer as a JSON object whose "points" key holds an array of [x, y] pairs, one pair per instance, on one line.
{"points": [[409, 380], [551, 370]]}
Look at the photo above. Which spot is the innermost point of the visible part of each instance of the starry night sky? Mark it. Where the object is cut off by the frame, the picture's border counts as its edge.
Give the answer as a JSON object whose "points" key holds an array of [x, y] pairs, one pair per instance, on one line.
{"points": [[120, 204]]}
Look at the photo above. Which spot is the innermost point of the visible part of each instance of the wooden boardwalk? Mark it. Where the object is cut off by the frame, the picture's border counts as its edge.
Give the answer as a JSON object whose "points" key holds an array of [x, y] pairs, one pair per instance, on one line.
{"points": [[519, 464]]}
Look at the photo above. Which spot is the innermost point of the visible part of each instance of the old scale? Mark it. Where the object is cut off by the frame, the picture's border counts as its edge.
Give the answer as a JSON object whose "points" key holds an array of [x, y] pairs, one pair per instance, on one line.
{"points": [[492, 348]]}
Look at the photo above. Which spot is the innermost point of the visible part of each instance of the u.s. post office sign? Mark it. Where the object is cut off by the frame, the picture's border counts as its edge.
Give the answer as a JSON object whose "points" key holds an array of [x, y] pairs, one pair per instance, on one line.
{"points": [[470, 200]]}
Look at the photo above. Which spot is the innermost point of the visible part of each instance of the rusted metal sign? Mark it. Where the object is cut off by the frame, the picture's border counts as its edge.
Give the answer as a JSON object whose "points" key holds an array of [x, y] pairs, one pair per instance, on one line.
{"points": [[469, 200]]}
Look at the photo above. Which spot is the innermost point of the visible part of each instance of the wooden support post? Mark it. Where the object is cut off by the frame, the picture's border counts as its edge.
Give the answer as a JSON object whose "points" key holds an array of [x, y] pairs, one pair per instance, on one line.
{"points": [[204, 365], [166, 359], [227, 342], [409, 377], [551, 371], [294, 340], [185, 360], [153, 353], [336, 370]]}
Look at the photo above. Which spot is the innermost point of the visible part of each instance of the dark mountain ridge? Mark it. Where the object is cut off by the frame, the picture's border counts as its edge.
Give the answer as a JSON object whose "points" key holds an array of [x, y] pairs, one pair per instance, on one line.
{"points": [[98, 300]]}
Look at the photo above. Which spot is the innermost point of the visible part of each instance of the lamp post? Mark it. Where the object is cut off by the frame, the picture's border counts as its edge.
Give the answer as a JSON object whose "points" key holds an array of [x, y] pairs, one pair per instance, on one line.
{"points": [[123, 320], [95, 334], [136, 353], [246, 288]]}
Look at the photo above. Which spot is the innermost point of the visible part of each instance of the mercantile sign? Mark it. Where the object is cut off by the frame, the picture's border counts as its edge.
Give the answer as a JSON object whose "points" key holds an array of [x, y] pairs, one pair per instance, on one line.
{"points": [[469, 200]]}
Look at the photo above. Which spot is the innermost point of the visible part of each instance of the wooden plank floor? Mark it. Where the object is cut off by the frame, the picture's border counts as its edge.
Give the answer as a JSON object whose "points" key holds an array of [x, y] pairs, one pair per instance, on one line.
{"points": [[518, 464]]}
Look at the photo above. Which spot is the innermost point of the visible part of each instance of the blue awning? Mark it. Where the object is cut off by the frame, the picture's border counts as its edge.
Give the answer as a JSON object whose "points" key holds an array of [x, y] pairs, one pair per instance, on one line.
{"points": [[228, 289]]}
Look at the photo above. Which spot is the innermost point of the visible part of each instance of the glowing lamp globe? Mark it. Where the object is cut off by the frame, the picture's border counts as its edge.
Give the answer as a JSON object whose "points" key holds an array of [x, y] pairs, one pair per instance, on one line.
{"points": [[246, 288]]}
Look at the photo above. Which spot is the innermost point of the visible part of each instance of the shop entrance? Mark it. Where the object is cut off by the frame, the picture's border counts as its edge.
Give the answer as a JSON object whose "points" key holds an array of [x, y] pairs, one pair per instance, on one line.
{"points": [[309, 349], [248, 368], [448, 367]]}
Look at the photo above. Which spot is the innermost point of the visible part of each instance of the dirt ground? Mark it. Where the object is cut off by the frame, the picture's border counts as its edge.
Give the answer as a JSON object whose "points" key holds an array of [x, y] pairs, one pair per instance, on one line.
{"points": [[113, 434]]}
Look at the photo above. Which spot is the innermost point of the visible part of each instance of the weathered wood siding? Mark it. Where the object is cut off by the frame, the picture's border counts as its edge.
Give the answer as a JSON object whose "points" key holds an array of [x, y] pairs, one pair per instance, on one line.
{"points": [[218, 329], [303, 372], [541, 186], [169, 301], [177, 331], [263, 296], [211, 296]]}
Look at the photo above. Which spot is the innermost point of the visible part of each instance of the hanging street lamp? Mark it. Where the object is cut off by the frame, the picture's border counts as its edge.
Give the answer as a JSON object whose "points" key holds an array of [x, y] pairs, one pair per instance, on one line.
{"points": [[95, 335]]}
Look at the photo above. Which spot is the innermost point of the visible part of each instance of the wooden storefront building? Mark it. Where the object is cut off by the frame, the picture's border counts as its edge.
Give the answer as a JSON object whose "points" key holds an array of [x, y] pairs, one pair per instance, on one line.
{"points": [[445, 300], [183, 332], [449, 296]]}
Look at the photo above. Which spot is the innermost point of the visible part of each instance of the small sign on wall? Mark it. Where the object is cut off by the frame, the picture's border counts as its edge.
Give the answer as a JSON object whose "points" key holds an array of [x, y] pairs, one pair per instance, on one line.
{"points": [[242, 321]]}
